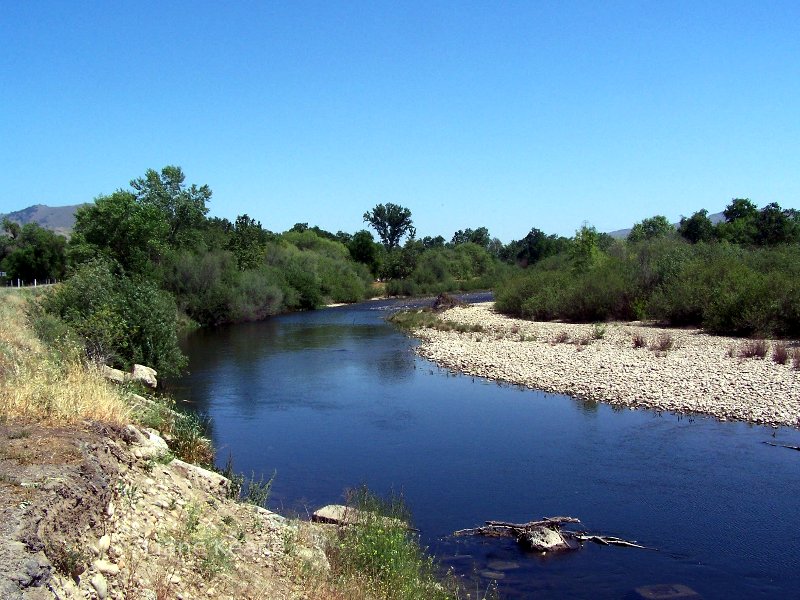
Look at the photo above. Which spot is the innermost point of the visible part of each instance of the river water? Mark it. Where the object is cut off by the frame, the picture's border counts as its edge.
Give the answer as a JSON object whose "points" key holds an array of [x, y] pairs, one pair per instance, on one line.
{"points": [[336, 398]]}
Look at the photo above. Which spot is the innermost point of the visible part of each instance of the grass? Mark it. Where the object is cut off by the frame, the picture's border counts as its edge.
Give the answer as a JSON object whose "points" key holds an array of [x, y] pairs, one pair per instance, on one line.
{"points": [[52, 388], [383, 556], [426, 318]]}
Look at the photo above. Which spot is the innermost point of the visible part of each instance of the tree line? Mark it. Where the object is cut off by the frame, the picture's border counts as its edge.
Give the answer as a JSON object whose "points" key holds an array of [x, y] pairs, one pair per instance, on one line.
{"points": [[146, 260]]}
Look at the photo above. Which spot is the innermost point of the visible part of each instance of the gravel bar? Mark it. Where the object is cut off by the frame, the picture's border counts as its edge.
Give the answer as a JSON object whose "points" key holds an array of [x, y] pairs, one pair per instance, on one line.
{"points": [[697, 375]]}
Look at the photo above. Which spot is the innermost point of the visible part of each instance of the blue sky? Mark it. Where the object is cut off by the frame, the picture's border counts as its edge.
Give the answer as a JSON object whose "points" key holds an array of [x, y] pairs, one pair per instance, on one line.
{"points": [[508, 115]]}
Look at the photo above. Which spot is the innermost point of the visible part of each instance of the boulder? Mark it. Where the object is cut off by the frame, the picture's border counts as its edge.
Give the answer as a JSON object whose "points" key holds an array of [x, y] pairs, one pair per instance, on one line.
{"points": [[145, 376], [543, 539], [114, 375], [346, 515]]}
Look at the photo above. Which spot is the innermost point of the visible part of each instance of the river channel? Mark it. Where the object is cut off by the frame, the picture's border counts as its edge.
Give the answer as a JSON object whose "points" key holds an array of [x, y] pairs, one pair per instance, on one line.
{"points": [[335, 398]]}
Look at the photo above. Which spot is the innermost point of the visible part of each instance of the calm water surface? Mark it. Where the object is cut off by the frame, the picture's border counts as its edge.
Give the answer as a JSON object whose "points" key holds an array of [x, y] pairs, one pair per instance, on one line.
{"points": [[335, 398]]}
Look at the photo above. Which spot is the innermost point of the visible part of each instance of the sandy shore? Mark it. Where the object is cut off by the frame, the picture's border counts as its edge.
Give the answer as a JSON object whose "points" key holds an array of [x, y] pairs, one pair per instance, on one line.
{"points": [[697, 375]]}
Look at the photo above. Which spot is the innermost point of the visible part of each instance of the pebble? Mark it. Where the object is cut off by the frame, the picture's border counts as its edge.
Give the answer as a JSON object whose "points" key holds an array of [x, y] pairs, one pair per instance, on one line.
{"points": [[695, 376]]}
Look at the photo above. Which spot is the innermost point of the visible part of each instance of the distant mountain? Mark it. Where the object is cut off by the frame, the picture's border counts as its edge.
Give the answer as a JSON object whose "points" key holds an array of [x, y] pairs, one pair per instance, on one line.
{"points": [[621, 234], [60, 219]]}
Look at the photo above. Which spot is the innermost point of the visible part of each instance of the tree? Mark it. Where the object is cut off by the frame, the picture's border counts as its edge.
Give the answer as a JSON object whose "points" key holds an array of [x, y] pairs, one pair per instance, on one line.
{"points": [[479, 236], [740, 208], [584, 250], [363, 249], [739, 226], [33, 253], [776, 226], [651, 228], [391, 222], [183, 208], [697, 228], [534, 247], [247, 242], [119, 227]]}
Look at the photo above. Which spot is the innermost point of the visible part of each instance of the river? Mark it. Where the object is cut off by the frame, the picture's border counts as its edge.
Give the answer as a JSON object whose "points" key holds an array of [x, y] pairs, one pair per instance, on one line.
{"points": [[336, 398]]}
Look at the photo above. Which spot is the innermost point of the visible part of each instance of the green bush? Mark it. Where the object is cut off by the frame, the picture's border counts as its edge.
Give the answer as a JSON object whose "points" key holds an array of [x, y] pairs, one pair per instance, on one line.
{"points": [[382, 552], [119, 320]]}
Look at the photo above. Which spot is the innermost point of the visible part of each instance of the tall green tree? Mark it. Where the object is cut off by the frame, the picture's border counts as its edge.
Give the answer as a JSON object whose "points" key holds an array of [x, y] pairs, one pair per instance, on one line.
{"points": [[184, 208], [121, 228], [648, 229], [32, 252], [697, 228], [247, 242], [392, 222]]}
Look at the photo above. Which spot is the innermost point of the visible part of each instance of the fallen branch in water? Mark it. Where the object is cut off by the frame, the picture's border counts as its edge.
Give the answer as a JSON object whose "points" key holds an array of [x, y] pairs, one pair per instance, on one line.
{"points": [[781, 445], [546, 535]]}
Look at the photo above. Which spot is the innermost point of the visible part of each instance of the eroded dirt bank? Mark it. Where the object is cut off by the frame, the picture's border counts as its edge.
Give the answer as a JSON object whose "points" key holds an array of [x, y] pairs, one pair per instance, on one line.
{"points": [[97, 512], [697, 373]]}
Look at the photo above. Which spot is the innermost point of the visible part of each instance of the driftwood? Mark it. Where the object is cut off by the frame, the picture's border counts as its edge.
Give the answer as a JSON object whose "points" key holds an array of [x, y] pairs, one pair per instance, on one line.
{"points": [[546, 535], [782, 446]]}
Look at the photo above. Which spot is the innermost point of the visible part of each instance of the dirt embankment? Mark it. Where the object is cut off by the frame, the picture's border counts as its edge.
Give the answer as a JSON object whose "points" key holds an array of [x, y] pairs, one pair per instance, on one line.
{"points": [[680, 370], [99, 512]]}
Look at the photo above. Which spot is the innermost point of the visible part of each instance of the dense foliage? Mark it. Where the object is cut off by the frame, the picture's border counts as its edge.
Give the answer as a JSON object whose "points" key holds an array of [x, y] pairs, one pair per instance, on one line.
{"points": [[740, 276], [141, 256]]}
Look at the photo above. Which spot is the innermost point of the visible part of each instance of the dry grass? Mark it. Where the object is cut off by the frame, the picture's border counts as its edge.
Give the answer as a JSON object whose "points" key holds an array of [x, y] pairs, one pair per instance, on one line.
{"points": [[780, 353], [754, 349], [36, 386]]}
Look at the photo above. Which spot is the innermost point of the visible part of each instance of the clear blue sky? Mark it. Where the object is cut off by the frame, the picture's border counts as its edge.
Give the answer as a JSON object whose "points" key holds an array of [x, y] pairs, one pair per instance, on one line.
{"points": [[508, 115]]}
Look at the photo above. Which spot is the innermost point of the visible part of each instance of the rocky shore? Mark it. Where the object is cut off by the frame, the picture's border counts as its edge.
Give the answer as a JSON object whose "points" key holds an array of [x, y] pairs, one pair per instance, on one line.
{"points": [[677, 370], [104, 512]]}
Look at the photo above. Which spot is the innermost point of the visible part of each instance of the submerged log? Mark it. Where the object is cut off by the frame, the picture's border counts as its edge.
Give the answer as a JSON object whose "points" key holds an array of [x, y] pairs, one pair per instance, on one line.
{"points": [[546, 535]]}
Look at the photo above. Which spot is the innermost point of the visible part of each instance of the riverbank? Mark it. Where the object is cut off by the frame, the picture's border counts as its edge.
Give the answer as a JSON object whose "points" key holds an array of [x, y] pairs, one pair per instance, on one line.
{"points": [[691, 373]]}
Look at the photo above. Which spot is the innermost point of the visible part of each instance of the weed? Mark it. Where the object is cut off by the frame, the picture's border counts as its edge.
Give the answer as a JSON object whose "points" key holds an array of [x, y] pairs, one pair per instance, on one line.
{"points": [[67, 559], [639, 341], [796, 359], [236, 479], [213, 554], [129, 493], [754, 349], [19, 435], [257, 491], [780, 354], [731, 352], [663, 342], [515, 329], [599, 331], [189, 441], [383, 554], [228, 520], [289, 539], [562, 338]]}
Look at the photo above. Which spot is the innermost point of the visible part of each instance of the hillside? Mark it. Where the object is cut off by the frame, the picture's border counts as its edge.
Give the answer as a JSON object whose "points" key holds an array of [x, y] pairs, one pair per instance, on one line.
{"points": [[60, 219]]}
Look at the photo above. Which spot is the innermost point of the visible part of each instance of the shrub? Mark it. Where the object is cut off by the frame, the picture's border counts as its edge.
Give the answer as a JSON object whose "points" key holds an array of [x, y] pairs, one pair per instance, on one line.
{"points": [[663, 342], [562, 337], [384, 554], [754, 349], [796, 359], [639, 341], [780, 354], [120, 320]]}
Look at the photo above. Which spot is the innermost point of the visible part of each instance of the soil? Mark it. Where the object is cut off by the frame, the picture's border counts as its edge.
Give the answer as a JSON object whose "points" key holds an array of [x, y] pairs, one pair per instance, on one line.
{"points": [[94, 512]]}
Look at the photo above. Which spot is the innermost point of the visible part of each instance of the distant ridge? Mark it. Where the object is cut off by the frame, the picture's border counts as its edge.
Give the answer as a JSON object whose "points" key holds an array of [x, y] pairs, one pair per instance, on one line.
{"points": [[60, 219], [621, 234]]}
